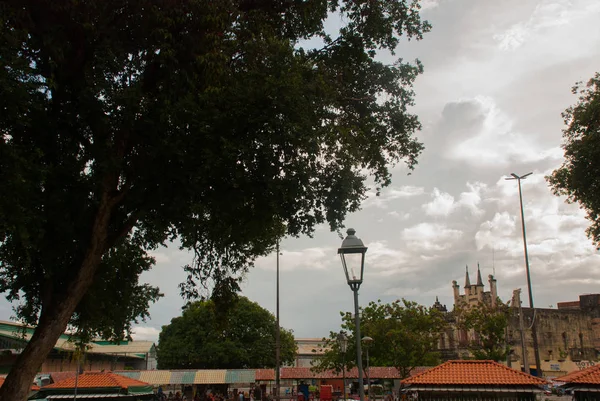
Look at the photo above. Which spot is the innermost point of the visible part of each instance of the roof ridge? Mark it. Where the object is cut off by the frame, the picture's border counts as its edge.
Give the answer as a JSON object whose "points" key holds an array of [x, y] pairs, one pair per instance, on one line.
{"points": [[427, 371], [451, 365], [517, 371], [579, 374]]}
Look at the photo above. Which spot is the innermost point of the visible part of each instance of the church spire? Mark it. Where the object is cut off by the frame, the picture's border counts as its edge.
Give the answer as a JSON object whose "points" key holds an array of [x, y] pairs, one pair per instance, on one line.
{"points": [[479, 280], [467, 281]]}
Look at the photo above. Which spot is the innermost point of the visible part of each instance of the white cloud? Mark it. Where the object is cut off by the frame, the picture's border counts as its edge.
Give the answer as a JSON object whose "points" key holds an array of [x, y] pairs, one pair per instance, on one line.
{"points": [[488, 138], [546, 15], [471, 199], [399, 216], [389, 194], [313, 258], [386, 260], [145, 333], [430, 237], [160, 257], [441, 205], [429, 4]]}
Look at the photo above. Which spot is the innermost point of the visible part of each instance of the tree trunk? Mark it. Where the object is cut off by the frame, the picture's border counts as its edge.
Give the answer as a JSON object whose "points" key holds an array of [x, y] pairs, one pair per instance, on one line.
{"points": [[56, 315]]}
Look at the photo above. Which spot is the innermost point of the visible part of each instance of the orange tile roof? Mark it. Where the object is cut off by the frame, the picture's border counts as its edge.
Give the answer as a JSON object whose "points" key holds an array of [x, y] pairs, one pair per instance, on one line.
{"points": [[33, 386], [473, 373], [590, 375], [60, 376], [265, 374], [98, 380]]}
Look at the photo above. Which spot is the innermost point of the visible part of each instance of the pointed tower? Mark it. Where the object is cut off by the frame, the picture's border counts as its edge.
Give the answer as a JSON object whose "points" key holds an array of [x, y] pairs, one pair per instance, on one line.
{"points": [[479, 286], [467, 283], [479, 280]]}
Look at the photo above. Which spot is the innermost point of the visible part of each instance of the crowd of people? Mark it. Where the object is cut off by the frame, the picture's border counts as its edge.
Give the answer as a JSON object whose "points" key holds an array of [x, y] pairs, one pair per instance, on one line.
{"points": [[209, 395]]}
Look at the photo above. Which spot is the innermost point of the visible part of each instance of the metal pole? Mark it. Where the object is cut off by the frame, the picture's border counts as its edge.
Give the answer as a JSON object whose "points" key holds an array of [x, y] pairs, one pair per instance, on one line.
{"points": [[344, 375], [361, 386], [76, 379], [522, 330], [533, 328], [277, 335], [368, 374]]}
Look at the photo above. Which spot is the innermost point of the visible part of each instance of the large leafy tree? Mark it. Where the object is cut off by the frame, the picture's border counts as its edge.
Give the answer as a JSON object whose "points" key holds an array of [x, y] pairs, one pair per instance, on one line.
{"points": [[487, 326], [125, 124], [201, 338], [578, 178], [405, 335]]}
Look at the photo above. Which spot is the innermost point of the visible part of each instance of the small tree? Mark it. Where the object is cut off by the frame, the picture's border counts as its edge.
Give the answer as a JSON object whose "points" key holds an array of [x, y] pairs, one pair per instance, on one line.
{"points": [[488, 325], [405, 335], [578, 178]]}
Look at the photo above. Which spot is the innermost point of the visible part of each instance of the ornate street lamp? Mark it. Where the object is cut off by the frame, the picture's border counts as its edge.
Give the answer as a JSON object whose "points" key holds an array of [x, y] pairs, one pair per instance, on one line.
{"points": [[368, 340], [342, 341], [352, 252]]}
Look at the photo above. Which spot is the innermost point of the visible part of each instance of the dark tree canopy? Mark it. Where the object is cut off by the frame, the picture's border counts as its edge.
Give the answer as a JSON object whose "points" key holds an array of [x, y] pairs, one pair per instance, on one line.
{"points": [[578, 178], [126, 124], [202, 339], [405, 335]]}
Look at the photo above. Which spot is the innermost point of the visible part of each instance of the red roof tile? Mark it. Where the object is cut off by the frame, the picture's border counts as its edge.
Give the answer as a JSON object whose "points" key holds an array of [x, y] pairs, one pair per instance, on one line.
{"points": [[98, 380], [33, 386], [473, 373], [60, 376], [264, 374], [590, 375]]}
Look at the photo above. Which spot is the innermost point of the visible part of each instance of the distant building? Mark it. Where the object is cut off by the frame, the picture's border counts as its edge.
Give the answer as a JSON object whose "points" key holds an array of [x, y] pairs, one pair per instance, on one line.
{"points": [[475, 293], [100, 354], [309, 349], [568, 337]]}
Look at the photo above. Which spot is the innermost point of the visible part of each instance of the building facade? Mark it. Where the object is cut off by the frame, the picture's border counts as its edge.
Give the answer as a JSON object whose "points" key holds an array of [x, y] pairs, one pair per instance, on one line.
{"points": [[568, 336], [100, 354]]}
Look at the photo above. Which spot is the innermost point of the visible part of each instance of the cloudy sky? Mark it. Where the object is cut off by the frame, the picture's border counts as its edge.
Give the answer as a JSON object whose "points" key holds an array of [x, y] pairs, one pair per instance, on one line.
{"points": [[497, 77]]}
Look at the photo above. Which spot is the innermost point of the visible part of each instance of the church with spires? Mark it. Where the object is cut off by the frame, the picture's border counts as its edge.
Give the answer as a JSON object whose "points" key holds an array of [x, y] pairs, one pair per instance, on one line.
{"points": [[475, 293], [568, 336]]}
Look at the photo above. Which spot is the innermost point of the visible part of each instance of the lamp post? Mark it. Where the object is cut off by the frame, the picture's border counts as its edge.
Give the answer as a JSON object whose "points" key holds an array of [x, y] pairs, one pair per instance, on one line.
{"points": [[352, 253], [277, 334], [368, 340], [342, 340], [536, 351]]}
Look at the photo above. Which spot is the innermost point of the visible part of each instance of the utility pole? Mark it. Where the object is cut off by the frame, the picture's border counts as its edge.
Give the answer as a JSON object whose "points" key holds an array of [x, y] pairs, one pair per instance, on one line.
{"points": [[517, 297], [277, 334], [536, 350]]}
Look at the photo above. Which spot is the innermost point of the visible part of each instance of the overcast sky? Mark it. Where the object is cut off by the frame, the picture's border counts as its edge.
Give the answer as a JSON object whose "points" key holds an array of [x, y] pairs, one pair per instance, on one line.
{"points": [[497, 76]]}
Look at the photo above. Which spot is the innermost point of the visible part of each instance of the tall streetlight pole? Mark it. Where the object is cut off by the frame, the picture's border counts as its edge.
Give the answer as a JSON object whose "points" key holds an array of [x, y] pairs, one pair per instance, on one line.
{"points": [[368, 340], [277, 333], [536, 350], [352, 253], [343, 344]]}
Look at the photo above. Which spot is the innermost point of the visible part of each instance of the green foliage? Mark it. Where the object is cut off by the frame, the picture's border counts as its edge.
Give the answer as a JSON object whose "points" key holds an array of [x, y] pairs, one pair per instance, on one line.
{"points": [[202, 339], [405, 335], [202, 120], [489, 326], [127, 124], [578, 178]]}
